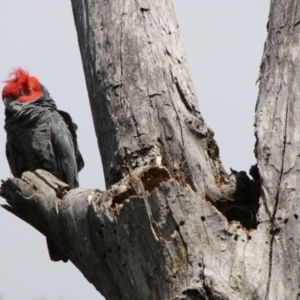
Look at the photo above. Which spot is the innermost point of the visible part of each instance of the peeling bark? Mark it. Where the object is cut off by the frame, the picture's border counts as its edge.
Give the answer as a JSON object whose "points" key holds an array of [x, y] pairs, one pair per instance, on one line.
{"points": [[172, 224]]}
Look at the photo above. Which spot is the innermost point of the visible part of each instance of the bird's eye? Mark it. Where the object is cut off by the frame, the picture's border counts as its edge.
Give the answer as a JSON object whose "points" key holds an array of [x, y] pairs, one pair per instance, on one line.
{"points": [[20, 92]]}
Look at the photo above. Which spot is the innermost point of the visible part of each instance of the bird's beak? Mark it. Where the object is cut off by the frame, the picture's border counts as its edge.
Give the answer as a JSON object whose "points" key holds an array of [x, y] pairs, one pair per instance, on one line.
{"points": [[7, 100]]}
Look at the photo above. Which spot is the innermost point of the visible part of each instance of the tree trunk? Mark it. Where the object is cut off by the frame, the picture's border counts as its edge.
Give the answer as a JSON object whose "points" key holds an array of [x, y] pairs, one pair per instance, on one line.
{"points": [[277, 129], [142, 98], [172, 224]]}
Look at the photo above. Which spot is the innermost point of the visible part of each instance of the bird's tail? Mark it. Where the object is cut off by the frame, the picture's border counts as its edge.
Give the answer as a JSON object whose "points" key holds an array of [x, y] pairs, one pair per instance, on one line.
{"points": [[55, 253]]}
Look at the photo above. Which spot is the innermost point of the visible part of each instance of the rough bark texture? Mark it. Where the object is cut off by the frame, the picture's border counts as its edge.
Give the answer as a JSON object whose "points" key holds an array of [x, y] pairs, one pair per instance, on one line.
{"points": [[158, 245], [173, 224], [278, 148], [142, 98]]}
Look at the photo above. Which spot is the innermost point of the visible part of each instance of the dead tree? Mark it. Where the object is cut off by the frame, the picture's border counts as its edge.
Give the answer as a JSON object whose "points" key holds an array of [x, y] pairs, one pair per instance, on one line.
{"points": [[172, 223]]}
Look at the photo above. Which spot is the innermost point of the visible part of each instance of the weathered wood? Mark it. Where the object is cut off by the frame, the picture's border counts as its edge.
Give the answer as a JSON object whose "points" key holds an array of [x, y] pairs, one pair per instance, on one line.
{"points": [[143, 101], [159, 246], [278, 147], [173, 224]]}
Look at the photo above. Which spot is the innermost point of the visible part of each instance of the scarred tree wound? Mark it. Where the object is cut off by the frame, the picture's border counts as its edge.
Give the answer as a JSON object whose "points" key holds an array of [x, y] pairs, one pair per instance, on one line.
{"points": [[113, 228]]}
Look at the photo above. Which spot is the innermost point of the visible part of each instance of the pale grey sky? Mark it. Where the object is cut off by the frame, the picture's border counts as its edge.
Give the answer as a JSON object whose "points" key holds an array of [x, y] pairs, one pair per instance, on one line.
{"points": [[224, 42]]}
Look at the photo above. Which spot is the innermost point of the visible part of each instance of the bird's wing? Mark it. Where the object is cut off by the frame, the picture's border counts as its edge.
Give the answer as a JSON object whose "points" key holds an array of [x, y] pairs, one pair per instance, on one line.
{"points": [[73, 127], [28, 145], [63, 146], [15, 157]]}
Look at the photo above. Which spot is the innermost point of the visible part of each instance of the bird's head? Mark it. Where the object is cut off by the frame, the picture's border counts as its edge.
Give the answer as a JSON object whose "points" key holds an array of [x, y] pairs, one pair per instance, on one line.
{"points": [[21, 88]]}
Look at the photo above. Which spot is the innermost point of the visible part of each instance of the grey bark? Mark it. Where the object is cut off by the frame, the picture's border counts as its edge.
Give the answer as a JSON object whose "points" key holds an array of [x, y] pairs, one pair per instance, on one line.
{"points": [[277, 129], [142, 98], [172, 224]]}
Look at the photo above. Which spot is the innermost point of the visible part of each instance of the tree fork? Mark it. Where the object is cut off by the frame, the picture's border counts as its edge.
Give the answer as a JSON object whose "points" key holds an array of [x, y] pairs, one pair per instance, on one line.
{"points": [[172, 224]]}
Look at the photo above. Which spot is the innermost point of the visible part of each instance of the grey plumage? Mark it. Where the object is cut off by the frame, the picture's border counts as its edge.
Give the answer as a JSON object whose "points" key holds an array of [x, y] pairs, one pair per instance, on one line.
{"points": [[41, 137]]}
